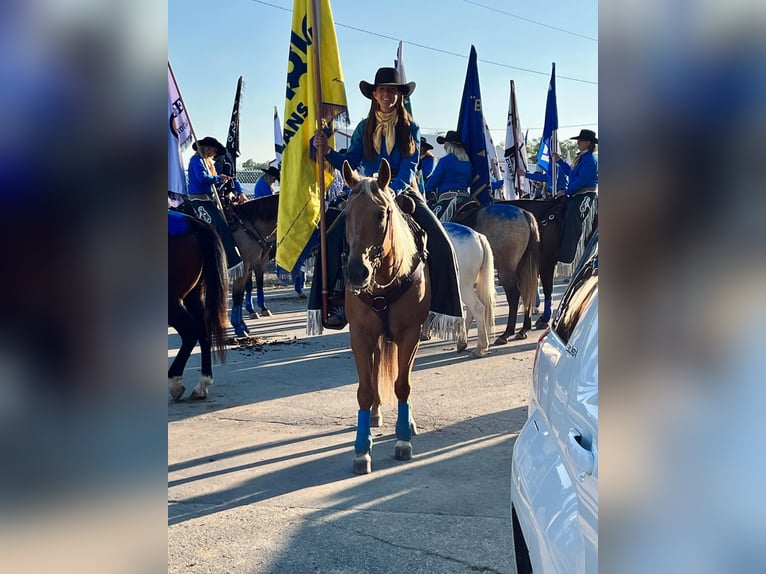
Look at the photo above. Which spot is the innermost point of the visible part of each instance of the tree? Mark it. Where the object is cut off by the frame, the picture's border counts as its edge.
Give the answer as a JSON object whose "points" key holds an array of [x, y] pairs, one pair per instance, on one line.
{"points": [[533, 148], [249, 164]]}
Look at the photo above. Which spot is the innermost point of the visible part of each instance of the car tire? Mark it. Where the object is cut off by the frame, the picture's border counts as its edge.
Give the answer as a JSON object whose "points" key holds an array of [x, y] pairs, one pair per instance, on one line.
{"points": [[523, 564]]}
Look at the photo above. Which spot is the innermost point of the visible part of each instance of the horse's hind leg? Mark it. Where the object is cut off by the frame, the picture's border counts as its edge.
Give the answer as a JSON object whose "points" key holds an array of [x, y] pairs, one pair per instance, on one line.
{"points": [[265, 311], [181, 321], [249, 296], [197, 312], [512, 295], [237, 294]]}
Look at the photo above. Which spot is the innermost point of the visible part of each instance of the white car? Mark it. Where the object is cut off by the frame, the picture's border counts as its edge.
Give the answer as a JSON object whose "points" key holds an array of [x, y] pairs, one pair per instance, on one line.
{"points": [[554, 473]]}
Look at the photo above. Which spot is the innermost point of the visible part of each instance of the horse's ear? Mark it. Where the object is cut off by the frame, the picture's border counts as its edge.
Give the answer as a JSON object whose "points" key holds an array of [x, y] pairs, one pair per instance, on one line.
{"points": [[349, 175], [384, 174]]}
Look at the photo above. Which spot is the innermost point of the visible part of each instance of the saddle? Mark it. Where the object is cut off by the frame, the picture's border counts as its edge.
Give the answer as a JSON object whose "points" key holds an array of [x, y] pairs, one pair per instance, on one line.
{"points": [[455, 207]]}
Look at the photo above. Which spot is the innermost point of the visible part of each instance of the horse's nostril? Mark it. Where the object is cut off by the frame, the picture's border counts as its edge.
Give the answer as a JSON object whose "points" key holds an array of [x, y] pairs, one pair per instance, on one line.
{"points": [[357, 273]]}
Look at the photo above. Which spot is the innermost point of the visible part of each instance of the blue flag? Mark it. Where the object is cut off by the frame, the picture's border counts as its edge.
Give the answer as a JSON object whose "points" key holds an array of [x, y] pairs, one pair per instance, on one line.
{"points": [[470, 128], [549, 142]]}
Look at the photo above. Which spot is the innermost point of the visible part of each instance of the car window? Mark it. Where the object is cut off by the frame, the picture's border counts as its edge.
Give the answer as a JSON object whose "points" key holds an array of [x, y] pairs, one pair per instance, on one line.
{"points": [[576, 299]]}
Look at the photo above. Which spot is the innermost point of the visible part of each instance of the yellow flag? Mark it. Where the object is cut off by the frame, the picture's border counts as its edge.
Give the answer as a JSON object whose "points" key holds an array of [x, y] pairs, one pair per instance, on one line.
{"points": [[299, 200]]}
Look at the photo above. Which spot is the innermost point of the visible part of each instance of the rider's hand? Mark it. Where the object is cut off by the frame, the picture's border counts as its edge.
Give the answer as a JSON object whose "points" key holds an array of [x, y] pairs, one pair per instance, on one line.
{"points": [[320, 141]]}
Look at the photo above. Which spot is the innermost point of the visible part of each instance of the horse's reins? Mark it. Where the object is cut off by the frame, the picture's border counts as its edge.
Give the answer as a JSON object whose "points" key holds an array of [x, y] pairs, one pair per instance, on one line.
{"points": [[254, 233]]}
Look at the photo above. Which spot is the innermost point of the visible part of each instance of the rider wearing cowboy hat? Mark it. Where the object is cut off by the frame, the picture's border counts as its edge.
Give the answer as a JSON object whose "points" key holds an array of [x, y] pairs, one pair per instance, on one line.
{"points": [[388, 132]]}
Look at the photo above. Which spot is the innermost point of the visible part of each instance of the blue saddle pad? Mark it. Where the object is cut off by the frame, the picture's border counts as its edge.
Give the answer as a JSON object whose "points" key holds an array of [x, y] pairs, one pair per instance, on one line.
{"points": [[178, 223]]}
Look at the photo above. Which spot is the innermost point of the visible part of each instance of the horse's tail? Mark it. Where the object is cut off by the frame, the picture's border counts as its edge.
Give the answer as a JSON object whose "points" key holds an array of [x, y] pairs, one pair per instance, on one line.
{"points": [[528, 268], [387, 369], [215, 279], [485, 285]]}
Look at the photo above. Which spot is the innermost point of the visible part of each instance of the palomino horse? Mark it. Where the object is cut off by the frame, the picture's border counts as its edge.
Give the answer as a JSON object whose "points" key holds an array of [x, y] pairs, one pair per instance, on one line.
{"points": [[197, 293], [387, 299], [253, 225], [476, 266], [515, 240]]}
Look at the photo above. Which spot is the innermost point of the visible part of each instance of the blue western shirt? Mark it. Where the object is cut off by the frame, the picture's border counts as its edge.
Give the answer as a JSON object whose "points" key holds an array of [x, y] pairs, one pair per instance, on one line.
{"points": [[427, 165], [581, 175], [200, 179], [403, 168], [262, 188], [450, 174]]}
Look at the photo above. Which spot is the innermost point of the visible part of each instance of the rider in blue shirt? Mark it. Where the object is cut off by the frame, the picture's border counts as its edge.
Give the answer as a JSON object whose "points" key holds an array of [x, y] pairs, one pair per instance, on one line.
{"points": [[389, 132], [582, 202], [263, 185], [453, 172]]}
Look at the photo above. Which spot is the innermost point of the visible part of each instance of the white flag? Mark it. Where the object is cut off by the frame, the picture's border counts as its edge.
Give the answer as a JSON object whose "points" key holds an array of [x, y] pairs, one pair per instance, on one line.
{"points": [[515, 151], [182, 123], [399, 65], [278, 142], [176, 173]]}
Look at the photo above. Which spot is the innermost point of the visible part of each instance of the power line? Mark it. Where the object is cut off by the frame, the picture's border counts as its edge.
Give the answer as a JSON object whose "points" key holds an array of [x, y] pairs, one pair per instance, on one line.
{"points": [[532, 21], [439, 50]]}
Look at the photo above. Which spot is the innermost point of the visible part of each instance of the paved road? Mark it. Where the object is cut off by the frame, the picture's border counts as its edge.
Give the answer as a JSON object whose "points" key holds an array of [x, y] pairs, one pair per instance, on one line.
{"points": [[259, 475]]}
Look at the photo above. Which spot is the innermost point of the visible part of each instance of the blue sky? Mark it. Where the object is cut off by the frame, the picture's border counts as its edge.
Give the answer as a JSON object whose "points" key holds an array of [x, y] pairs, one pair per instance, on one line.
{"points": [[210, 44]]}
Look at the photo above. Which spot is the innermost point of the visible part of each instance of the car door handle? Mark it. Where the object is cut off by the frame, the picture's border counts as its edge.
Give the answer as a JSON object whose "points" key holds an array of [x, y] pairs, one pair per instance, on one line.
{"points": [[582, 458]]}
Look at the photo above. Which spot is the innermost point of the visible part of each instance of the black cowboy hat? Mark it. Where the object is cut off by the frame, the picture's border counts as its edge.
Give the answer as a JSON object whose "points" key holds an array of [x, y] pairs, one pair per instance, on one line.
{"points": [[451, 137], [272, 171], [587, 135], [211, 142], [386, 77], [424, 145]]}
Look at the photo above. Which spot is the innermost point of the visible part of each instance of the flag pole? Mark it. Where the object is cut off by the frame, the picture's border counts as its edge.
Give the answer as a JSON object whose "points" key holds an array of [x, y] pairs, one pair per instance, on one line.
{"points": [[516, 146], [315, 42], [554, 143], [194, 134]]}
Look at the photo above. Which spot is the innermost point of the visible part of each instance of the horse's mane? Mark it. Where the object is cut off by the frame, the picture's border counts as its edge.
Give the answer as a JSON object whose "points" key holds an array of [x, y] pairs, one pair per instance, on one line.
{"points": [[261, 209], [404, 245]]}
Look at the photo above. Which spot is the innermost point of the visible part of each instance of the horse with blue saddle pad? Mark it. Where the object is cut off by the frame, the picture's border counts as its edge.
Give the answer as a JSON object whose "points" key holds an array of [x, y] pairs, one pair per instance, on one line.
{"points": [[197, 296], [515, 239]]}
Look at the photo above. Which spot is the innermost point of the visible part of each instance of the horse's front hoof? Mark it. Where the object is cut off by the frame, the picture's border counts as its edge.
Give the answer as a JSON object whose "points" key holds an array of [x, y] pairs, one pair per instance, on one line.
{"points": [[461, 346], [424, 337], [478, 353], [362, 464], [403, 450], [376, 421], [500, 341], [540, 324], [254, 315], [198, 395], [520, 336], [266, 312]]}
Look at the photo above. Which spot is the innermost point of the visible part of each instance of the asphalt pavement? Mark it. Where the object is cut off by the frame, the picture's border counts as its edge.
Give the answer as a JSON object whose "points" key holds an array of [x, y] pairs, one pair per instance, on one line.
{"points": [[259, 474]]}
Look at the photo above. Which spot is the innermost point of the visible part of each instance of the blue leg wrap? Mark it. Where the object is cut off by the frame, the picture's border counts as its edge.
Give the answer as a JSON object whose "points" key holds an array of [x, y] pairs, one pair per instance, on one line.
{"points": [[403, 429], [261, 298], [363, 443], [547, 311], [537, 297], [249, 301], [236, 316]]}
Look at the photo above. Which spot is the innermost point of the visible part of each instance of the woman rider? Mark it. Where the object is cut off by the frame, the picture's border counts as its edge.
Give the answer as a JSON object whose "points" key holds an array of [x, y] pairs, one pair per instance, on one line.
{"points": [[389, 132]]}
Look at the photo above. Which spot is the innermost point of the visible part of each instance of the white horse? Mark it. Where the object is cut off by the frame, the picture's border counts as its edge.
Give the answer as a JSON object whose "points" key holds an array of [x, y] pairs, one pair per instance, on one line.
{"points": [[476, 267]]}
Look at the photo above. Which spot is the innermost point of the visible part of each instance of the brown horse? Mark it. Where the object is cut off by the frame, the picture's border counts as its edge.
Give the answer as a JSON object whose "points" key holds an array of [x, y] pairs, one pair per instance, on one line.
{"points": [[197, 294], [387, 299], [254, 227]]}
